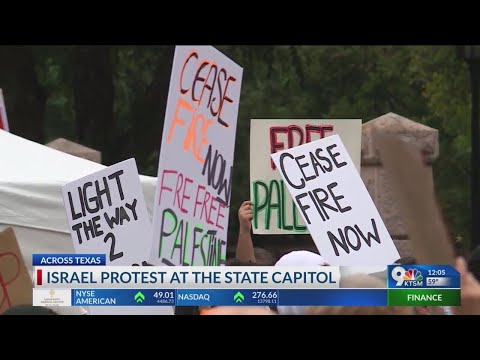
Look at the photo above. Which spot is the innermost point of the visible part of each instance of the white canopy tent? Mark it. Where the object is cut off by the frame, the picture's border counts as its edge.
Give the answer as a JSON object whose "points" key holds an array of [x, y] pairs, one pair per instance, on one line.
{"points": [[31, 177]]}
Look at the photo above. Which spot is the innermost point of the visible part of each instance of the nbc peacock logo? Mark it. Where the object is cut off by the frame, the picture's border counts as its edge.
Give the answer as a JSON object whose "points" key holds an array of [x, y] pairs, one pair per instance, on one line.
{"points": [[413, 274], [410, 277]]}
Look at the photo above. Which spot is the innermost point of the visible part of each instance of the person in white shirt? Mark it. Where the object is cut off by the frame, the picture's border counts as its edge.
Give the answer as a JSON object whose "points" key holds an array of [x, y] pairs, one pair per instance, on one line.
{"points": [[298, 258]]}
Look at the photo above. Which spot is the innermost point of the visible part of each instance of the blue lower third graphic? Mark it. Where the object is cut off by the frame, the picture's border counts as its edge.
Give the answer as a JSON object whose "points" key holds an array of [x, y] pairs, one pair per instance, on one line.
{"points": [[313, 297], [333, 297], [123, 297], [217, 297], [230, 297]]}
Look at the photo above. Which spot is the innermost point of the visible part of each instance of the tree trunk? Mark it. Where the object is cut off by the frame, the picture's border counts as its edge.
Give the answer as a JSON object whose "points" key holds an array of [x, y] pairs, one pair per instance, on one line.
{"points": [[25, 99], [93, 93], [148, 111]]}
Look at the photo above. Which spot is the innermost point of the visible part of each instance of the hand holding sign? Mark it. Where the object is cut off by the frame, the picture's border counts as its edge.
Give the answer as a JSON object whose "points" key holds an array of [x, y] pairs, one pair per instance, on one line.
{"points": [[245, 216]]}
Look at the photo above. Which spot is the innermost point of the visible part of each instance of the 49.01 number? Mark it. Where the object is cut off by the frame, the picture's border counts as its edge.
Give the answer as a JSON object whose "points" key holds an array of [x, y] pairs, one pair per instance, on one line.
{"points": [[163, 295]]}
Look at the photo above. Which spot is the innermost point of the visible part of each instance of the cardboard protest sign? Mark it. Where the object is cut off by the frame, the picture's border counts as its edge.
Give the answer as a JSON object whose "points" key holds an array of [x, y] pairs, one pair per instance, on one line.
{"points": [[3, 113], [190, 220], [107, 215], [274, 211], [335, 204], [15, 282], [412, 183]]}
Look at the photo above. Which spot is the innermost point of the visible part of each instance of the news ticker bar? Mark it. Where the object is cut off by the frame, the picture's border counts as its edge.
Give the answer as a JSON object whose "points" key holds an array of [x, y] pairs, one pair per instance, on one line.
{"points": [[246, 297], [186, 277], [233, 277]]}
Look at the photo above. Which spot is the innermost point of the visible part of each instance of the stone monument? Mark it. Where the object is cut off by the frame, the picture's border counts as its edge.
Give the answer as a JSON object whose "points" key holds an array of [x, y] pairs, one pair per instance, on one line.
{"points": [[419, 136]]}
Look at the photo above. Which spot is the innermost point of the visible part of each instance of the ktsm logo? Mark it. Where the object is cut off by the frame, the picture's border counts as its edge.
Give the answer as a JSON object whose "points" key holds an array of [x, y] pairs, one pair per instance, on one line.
{"points": [[412, 277]]}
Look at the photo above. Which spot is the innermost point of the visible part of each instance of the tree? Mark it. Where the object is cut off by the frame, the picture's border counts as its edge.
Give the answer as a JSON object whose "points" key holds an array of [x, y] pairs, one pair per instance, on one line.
{"points": [[93, 98], [120, 97], [24, 97]]}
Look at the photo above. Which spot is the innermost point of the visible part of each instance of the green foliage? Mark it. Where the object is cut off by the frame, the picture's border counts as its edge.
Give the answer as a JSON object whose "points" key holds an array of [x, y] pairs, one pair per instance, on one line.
{"points": [[424, 83], [444, 81], [134, 73], [53, 67]]}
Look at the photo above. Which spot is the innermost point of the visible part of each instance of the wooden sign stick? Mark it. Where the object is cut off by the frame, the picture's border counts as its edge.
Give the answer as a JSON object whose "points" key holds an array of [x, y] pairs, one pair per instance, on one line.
{"points": [[417, 202]]}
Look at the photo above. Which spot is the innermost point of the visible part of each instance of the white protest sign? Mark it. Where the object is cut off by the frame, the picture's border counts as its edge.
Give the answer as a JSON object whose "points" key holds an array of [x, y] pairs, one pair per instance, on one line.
{"points": [[107, 215], [190, 220], [335, 204], [274, 211]]}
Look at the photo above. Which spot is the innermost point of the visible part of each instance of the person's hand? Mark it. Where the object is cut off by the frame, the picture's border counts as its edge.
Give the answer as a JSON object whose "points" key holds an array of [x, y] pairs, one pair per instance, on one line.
{"points": [[245, 216], [470, 289]]}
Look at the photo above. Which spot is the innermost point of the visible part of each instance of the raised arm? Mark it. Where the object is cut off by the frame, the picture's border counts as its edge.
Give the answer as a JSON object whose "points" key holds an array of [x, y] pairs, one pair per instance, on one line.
{"points": [[244, 243]]}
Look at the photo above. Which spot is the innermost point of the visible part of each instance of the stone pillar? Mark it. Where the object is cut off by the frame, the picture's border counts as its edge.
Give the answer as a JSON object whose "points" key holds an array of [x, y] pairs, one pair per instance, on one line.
{"points": [[422, 137], [75, 149]]}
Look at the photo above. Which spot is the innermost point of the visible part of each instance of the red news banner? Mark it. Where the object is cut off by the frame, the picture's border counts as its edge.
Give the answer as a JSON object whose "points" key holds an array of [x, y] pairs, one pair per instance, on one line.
{"points": [[190, 220]]}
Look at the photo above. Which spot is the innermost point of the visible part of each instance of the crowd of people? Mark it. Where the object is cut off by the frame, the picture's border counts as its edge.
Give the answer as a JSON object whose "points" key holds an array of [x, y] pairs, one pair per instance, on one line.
{"points": [[248, 255], [468, 266]]}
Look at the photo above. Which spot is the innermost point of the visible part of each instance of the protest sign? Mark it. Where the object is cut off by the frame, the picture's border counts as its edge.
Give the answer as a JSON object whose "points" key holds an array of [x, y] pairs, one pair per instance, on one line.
{"points": [[274, 211], [415, 193], [15, 282], [107, 215], [3, 113], [190, 220], [335, 204]]}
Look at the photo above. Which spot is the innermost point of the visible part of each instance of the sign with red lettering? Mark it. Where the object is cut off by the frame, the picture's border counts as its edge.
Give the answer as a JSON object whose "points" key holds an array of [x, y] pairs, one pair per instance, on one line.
{"points": [[190, 219], [3, 114], [107, 214], [335, 204], [15, 282], [274, 211]]}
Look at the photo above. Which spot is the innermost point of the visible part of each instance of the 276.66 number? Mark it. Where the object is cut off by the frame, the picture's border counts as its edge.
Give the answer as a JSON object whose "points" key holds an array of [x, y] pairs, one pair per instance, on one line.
{"points": [[264, 295]]}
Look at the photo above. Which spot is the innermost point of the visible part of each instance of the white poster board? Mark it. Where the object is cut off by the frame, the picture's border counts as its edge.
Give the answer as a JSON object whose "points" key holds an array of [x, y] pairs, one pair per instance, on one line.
{"points": [[274, 211], [190, 220], [107, 214], [335, 204]]}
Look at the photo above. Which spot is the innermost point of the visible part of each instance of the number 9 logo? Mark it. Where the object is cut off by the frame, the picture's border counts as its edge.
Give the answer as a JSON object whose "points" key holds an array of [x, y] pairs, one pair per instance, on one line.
{"points": [[397, 274]]}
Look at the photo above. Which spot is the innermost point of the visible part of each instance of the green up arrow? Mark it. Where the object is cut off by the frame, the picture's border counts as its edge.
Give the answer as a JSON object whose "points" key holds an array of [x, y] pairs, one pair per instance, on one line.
{"points": [[238, 297], [139, 297]]}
